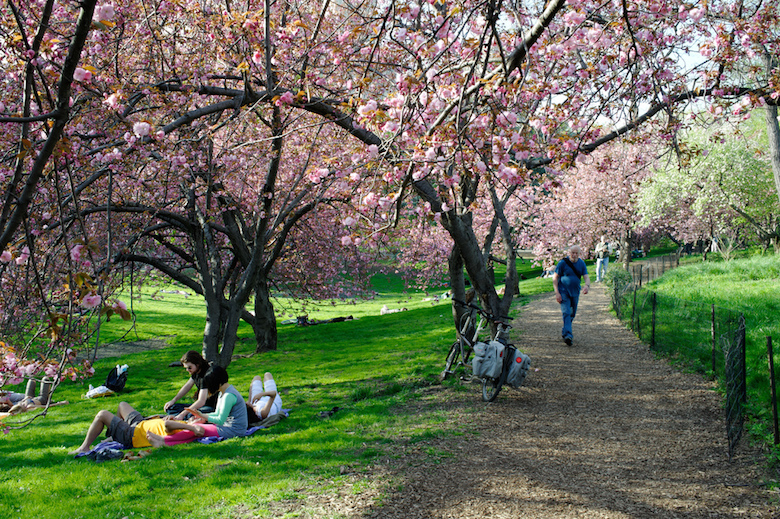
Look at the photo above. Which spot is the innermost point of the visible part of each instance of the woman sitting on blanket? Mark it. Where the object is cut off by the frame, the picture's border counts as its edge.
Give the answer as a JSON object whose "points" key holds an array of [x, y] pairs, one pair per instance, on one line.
{"points": [[194, 363], [229, 419]]}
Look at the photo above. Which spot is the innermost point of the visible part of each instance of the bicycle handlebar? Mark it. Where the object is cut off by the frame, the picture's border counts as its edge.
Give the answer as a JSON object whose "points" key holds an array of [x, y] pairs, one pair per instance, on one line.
{"points": [[484, 313]]}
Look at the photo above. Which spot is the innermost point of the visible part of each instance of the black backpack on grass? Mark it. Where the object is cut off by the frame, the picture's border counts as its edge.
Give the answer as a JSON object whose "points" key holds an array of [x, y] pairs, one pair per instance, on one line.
{"points": [[116, 379]]}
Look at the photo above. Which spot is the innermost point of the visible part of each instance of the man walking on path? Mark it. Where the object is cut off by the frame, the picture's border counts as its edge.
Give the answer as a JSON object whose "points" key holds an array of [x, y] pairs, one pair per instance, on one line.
{"points": [[566, 282]]}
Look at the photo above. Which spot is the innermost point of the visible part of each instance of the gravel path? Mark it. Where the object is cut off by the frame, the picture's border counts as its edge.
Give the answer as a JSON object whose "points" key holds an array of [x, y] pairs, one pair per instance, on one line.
{"points": [[601, 429]]}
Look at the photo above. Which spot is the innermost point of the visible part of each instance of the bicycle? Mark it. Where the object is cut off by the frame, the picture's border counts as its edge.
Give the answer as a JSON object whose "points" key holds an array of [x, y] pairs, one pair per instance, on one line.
{"points": [[467, 335], [513, 361]]}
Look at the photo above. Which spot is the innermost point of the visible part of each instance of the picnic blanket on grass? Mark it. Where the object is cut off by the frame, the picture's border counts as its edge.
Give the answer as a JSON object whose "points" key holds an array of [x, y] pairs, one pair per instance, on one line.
{"points": [[110, 449]]}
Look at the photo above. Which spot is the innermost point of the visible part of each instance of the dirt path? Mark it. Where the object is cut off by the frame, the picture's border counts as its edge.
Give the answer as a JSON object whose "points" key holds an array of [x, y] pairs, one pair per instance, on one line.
{"points": [[602, 430]]}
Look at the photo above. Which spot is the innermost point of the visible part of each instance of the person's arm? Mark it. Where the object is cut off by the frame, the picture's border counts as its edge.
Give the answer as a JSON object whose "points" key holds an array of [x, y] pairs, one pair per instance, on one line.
{"points": [[555, 287], [224, 406], [586, 287], [203, 395], [183, 391], [260, 395]]}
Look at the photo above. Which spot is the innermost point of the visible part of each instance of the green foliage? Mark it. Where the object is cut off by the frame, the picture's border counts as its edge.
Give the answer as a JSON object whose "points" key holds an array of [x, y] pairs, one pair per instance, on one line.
{"points": [[617, 278]]}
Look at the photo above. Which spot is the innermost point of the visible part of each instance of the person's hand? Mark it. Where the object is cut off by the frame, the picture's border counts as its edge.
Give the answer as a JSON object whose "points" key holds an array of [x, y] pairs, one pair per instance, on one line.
{"points": [[194, 412], [168, 404], [585, 289], [558, 298]]}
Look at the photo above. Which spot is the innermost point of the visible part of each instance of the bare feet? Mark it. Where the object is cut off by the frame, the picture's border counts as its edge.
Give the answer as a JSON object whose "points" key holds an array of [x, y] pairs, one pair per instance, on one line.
{"points": [[155, 439], [198, 430], [80, 450]]}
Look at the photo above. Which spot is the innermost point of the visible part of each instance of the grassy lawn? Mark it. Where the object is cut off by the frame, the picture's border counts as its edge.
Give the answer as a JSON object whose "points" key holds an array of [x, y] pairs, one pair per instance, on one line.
{"points": [[373, 368]]}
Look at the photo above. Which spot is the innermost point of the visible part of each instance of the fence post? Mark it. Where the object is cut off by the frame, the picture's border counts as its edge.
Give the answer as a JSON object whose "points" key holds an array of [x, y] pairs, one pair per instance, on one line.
{"points": [[640, 275], [713, 340], [743, 342], [652, 333], [616, 299], [633, 310], [772, 388]]}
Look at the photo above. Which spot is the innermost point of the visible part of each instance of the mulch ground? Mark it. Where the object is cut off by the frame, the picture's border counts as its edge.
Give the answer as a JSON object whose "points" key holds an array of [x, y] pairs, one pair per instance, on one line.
{"points": [[601, 429]]}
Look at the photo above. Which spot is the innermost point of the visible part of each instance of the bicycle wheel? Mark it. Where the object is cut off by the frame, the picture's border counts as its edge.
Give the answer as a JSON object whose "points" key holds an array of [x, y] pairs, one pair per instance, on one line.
{"points": [[452, 360], [491, 387]]}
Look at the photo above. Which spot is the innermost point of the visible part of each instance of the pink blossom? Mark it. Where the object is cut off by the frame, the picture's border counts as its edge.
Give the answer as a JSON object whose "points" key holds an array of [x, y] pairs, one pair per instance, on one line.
{"points": [[257, 57], [5, 257], [367, 108], [373, 152], [82, 75], [75, 252], [371, 200], [91, 301], [390, 127], [346, 240], [142, 129], [120, 305], [104, 13], [697, 14], [24, 256], [113, 101], [285, 99], [348, 221]]}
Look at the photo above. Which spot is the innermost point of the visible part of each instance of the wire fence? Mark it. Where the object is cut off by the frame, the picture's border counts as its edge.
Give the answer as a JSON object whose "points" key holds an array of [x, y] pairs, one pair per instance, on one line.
{"points": [[710, 337]]}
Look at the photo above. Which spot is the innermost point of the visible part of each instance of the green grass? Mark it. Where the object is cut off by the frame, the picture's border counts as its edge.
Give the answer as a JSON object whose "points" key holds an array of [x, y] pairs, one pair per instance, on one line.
{"points": [[748, 286], [374, 368]]}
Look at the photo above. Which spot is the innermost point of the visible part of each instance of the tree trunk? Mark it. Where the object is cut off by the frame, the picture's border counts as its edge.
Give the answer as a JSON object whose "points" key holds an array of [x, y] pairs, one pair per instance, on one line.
{"points": [[265, 320], [773, 132], [625, 249], [212, 332]]}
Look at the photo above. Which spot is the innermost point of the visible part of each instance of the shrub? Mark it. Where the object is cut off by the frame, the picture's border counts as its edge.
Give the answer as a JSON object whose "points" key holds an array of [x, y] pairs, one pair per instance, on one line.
{"points": [[618, 278]]}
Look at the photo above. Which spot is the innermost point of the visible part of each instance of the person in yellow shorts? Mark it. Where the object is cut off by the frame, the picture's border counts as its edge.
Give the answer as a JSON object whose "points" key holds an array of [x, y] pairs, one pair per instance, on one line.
{"points": [[127, 427]]}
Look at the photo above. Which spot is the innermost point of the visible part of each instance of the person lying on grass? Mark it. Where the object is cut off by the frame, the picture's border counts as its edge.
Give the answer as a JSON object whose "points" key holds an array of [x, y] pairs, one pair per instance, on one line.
{"points": [[264, 399], [127, 427], [229, 419], [15, 403]]}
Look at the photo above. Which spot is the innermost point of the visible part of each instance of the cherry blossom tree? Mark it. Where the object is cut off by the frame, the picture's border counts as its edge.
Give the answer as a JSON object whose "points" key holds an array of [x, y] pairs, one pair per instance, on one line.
{"points": [[392, 108]]}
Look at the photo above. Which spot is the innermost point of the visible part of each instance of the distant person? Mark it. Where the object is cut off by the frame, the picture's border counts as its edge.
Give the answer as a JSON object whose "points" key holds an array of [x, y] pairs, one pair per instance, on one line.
{"points": [[229, 419], [603, 251], [196, 366], [127, 427], [15, 403], [566, 282]]}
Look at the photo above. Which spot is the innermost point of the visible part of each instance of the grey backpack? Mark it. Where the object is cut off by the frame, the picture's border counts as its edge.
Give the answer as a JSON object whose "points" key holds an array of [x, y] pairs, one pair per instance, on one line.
{"points": [[488, 358], [518, 369]]}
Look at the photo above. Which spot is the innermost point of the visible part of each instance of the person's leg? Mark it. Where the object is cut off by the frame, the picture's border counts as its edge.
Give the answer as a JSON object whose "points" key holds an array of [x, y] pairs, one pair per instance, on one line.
{"points": [[599, 269], [255, 387], [269, 385], [123, 410], [566, 311], [172, 425], [575, 300], [606, 267], [101, 421]]}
